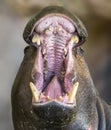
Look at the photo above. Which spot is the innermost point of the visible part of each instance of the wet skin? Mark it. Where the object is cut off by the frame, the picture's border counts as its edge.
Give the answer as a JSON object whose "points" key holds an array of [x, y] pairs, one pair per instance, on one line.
{"points": [[53, 89]]}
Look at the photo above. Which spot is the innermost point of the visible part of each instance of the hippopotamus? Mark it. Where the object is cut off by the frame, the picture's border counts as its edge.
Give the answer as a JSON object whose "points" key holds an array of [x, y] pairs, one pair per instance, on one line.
{"points": [[53, 89]]}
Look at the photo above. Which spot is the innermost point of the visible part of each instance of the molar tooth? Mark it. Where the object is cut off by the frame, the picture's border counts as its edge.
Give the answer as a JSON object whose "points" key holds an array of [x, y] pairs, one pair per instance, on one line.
{"points": [[59, 28], [47, 31], [51, 28], [42, 95], [63, 72], [75, 39], [35, 92], [64, 57], [65, 51], [73, 92], [36, 39], [44, 51]]}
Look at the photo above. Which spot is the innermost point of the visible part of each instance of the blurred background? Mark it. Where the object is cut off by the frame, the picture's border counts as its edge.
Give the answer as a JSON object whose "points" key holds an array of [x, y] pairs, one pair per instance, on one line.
{"points": [[14, 14]]}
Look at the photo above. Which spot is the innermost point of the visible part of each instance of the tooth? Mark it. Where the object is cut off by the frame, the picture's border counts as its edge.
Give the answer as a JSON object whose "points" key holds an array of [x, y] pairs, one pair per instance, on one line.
{"points": [[59, 28], [50, 28], [45, 57], [47, 31], [36, 39], [35, 92], [64, 57], [74, 39], [73, 92], [42, 95], [62, 72], [44, 51], [60, 98], [65, 51], [48, 98]]}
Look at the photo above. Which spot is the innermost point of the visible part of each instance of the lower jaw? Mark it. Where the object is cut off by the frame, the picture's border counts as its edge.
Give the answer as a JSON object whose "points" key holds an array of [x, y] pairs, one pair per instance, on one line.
{"points": [[54, 113], [68, 100]]}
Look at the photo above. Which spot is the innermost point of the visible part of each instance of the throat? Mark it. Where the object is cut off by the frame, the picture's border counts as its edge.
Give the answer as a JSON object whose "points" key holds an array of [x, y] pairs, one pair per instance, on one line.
{"points": [[54, 90]]}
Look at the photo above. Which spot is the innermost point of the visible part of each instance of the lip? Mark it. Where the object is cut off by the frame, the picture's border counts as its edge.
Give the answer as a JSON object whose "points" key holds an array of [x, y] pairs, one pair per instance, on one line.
{"points": [[57, 103]]}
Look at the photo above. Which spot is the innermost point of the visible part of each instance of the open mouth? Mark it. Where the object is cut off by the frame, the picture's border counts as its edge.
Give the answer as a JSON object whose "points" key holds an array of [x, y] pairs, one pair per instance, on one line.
{"points": [[53, 76]]}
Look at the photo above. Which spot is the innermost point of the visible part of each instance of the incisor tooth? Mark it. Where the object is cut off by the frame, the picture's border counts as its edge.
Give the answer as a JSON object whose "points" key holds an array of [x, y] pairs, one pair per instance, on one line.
{"points": [[36, 39], [60, 98], [48, 98], [35, 92], [73, 92]]}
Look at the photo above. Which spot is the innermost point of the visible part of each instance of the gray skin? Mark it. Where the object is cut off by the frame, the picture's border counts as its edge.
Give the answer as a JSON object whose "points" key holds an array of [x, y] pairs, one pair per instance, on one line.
{"points": [[90, 112]]}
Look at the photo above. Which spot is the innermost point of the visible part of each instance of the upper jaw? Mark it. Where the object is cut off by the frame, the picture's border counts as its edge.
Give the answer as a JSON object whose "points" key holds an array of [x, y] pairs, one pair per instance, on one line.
{"points": [[50, 10]]}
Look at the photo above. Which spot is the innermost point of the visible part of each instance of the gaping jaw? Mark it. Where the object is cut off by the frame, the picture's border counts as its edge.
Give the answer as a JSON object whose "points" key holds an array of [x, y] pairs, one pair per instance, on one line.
{"points": [[53, 74], [54, 85]]}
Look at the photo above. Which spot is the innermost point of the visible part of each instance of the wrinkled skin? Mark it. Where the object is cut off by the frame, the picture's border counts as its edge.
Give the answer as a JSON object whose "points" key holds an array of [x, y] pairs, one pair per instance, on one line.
{"points": [[86, 112]]}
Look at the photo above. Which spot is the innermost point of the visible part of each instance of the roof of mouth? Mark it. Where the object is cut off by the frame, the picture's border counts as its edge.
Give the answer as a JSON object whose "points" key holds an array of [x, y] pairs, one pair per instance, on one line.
{"points": [[54, 10]]}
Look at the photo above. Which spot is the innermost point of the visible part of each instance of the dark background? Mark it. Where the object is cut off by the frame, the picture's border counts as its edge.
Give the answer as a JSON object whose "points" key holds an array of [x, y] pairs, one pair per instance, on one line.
{"points": [[14, 15]]}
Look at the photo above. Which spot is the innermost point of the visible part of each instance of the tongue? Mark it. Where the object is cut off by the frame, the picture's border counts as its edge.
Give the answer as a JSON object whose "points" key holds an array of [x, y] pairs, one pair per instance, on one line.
{"points": [[53, 89]]}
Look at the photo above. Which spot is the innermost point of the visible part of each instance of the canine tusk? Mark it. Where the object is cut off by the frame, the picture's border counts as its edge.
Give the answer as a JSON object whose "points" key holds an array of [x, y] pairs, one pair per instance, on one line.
{"points": [[35, 92], [73, 92]]}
